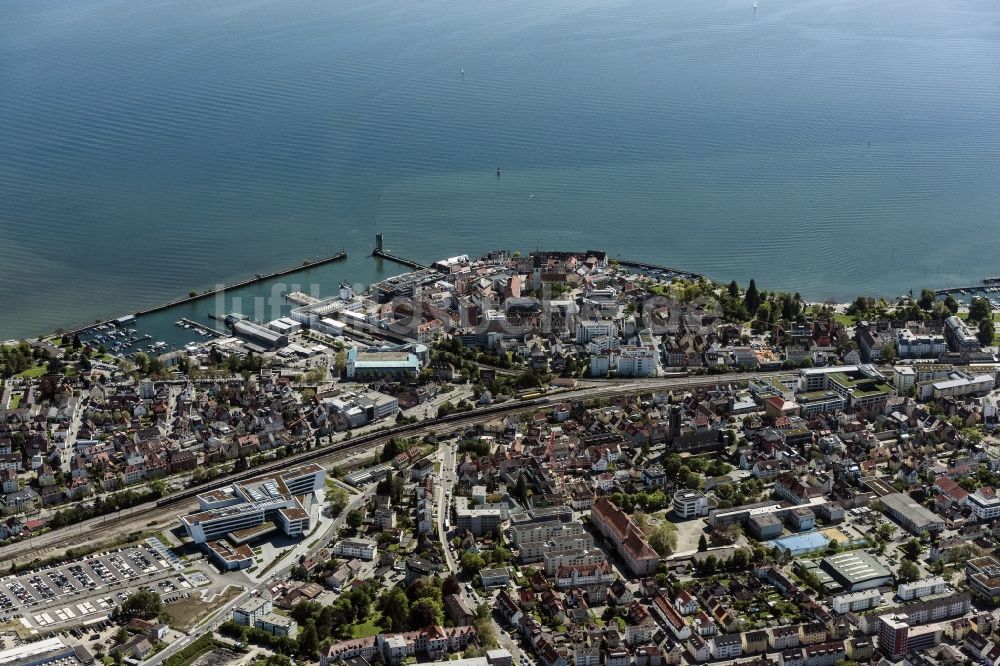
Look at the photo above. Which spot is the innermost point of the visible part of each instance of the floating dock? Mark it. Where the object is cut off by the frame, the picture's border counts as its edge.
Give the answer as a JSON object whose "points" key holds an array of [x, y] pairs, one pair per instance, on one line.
{"points": [[985, 286], [201, 327], [652, 268]]}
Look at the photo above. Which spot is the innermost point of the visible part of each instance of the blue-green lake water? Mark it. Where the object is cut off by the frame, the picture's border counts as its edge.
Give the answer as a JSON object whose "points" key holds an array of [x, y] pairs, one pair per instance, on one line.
{"points": [[151, 147]]}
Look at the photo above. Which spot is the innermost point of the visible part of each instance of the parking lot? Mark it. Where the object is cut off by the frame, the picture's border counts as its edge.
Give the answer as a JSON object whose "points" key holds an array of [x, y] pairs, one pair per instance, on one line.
{"points": [[88, 588]]}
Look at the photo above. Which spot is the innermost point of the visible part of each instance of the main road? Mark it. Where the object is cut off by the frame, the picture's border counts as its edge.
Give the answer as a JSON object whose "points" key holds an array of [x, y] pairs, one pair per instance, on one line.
{"points": [[104, 529], [446, 484]]}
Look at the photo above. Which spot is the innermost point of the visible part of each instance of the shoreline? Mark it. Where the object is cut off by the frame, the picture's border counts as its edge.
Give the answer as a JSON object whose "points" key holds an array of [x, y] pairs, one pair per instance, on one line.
{"points": [[670, 272], [259, 277]]}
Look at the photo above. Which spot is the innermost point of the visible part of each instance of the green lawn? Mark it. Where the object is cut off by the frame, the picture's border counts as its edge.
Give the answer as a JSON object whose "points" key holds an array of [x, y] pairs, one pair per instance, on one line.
{"points": [[370, 627], [15, 400], [965, 315], [845, 319], [34, 371]]}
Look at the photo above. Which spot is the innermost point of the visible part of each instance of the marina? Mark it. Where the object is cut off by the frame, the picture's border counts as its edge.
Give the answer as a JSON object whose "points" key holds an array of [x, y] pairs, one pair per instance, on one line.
{"points": [[989, 289], [658, 270], [121, 338], [200, 329]]}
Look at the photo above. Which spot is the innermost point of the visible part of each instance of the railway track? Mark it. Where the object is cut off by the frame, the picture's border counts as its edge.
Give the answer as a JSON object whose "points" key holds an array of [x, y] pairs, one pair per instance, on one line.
{"points": [[102, 529]]}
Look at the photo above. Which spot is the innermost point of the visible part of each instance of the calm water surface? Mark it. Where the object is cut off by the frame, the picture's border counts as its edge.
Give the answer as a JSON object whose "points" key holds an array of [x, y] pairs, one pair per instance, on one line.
{"points": [[148, 148]]}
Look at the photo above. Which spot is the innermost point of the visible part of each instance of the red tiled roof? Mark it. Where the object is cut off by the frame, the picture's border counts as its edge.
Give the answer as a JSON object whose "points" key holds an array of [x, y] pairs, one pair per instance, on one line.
{"points": [[669, 612], [615, 518], [951, 489], [638, 547]]}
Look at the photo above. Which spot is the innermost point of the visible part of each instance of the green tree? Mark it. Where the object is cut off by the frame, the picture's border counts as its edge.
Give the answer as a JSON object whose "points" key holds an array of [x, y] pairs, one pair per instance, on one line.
{"points": [[500, 555], [395, 607], [734, 290], [355, 518], [337, 498], [425, 612], [861, 306], [985, 332], [308, 641], [912, 549], [472, 563], [972, 435], [521, 489], [663, 538], [752, 297], [889, 352], [927, 298], [484, 627], [980, 309], [451, 586], [740, 560], [908, 572], [951, 304], [144, 604], [702, 544]]}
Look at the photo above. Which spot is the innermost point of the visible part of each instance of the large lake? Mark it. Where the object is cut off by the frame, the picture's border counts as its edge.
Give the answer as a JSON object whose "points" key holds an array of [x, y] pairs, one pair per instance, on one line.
{"points": [[150, 147]]}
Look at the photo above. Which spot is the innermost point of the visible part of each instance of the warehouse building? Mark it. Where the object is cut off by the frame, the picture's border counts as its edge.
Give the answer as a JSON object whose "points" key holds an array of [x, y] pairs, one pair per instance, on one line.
{"points": [[856, 570], [374, 363], [284, 325], [913, 517], [259, 335]]}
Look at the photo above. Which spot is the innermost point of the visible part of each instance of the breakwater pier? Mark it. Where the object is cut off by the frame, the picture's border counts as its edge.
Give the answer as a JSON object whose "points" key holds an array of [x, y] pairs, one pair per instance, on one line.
{"points": [[259, 277]]}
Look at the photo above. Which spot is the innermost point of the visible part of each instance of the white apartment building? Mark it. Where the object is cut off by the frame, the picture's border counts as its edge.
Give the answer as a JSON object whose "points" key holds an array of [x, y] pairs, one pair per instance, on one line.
{"points": [[536, 551], [816, 379], [603, 343], [248, 612], [278, 625], [961, 384], [601, 364], [923, 345], [690, 504], [960, 336], [589, 330], [856, 601], [904, 377], [638, 361], [921, 588], [554, 561], [984, 504], [359, 549], [543, 531]]}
